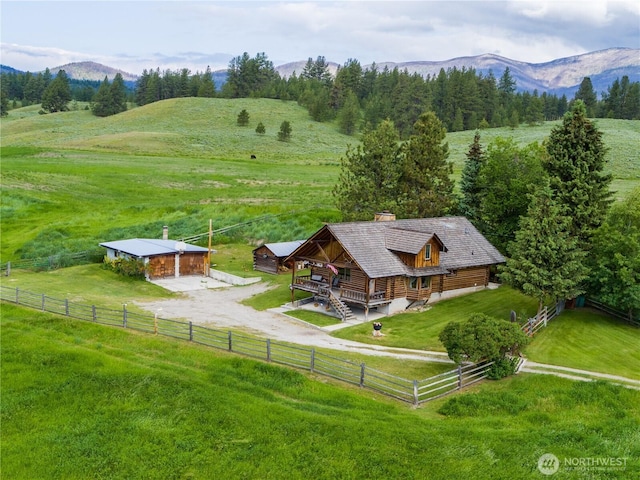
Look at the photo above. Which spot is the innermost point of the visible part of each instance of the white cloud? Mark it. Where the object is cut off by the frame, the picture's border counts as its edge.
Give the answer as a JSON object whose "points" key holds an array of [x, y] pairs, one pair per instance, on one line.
{"points": [[174, 35]]}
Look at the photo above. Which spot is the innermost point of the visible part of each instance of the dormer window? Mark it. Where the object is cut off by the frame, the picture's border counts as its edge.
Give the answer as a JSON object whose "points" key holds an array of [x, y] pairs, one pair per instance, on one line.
{"points": [[427, 251]]}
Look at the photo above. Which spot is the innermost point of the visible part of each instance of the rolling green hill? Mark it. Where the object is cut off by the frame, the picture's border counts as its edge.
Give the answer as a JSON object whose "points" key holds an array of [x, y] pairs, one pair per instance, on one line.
{"points": [[71, 180]]}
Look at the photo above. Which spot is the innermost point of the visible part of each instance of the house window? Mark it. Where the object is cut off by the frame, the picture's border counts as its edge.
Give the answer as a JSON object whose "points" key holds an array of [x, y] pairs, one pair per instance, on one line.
{"points": [[344, 274], [423, 282], [427, 251]]}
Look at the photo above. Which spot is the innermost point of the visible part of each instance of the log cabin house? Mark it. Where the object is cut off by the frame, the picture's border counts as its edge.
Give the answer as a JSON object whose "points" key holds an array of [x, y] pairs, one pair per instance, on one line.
{"points": [[392, 265]]}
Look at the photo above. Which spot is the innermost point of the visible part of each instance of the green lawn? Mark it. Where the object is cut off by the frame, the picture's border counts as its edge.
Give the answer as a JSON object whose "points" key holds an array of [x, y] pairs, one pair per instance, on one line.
{"points": [[587, 340], [87, 401], [420, 330]]}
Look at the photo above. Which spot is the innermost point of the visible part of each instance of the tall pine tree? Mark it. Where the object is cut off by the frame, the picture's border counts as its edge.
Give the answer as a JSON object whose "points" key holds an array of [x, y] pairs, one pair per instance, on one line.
{"points": [[58, 94], [575, 162], [368, 180], [470, 184], [545, 261], [425, 184]]}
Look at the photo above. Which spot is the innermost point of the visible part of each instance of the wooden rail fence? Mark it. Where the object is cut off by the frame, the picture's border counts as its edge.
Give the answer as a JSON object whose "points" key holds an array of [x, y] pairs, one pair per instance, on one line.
{"points": [[411, 391]]}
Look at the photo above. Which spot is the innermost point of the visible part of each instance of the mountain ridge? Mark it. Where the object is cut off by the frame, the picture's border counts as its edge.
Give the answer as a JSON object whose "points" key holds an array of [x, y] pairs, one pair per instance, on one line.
{"points": [[559, 76]]}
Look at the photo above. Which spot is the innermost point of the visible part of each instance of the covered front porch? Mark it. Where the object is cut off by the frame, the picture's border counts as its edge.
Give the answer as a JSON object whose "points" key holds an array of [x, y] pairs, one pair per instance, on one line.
{"points": [[319, 287]]}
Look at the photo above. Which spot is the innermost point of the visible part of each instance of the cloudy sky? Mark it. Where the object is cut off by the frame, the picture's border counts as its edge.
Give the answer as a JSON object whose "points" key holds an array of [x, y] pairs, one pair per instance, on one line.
{"points": [[134, 35]]}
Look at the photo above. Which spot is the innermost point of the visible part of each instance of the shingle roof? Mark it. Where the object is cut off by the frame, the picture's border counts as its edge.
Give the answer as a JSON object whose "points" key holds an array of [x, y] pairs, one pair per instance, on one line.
{"points": [[283, 249], [149, 247], [368, 243], [407, 241]]}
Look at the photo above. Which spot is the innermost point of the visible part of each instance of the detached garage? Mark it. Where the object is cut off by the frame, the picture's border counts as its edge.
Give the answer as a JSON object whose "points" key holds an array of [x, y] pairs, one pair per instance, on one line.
{"points": [[269, 258], [162, 258]]}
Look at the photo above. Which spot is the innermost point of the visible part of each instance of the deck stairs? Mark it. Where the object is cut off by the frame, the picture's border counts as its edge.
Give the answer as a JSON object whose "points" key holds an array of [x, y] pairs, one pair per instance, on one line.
{"points": [[342, 308]]}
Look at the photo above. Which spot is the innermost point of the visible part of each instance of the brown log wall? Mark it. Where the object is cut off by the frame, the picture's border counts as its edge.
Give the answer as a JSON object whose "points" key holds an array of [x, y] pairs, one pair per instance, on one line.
{"points": [[464, 278]]}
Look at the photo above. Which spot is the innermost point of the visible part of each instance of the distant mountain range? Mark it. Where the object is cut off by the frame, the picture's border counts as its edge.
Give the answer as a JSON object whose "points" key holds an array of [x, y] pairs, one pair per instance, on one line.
{"points": [[561, 76]]}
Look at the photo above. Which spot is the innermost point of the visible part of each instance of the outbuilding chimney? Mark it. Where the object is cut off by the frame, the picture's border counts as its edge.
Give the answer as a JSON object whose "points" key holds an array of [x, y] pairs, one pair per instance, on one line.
{"points": [[165, 233], [384, 216]]}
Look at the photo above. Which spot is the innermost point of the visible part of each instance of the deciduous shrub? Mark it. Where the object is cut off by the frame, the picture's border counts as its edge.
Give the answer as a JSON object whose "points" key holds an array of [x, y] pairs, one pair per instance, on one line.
{"points": [[129, 267]]}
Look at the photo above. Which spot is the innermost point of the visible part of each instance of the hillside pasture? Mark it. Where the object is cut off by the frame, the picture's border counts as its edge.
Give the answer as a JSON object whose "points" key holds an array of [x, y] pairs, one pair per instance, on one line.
{"points": [[82, 400], [71, 180]]}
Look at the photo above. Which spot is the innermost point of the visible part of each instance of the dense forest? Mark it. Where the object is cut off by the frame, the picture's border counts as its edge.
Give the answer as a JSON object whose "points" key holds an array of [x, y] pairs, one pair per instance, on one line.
{"points": [[358, 98]]}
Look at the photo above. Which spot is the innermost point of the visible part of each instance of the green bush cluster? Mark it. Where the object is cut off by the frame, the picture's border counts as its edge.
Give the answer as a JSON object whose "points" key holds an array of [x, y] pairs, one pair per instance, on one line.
{"points": [[128, 267], [502, 367]]}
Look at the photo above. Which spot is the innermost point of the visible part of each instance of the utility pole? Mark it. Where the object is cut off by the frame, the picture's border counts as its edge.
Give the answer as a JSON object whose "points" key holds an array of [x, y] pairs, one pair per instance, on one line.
{"points": [[209, 251]]}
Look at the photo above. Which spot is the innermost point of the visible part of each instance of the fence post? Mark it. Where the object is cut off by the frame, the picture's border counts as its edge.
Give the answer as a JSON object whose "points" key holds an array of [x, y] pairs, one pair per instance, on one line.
{"points": [[66, 307], [362, 374], [191, 331], [415, 392], [313, 360], [43, 297], [17, 299], [8, 272], [268, 349], [124, 315], [545, 315], [230, 344], [459, 376], [93, 312]]}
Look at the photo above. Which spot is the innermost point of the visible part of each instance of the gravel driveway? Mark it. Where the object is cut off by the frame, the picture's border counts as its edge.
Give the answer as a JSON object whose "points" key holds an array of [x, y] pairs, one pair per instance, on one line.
{"points": [[220, 308]]}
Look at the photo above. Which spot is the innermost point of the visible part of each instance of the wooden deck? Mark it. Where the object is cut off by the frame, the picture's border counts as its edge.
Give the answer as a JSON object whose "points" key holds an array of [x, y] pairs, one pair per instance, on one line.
{"points": [[353, 297]]}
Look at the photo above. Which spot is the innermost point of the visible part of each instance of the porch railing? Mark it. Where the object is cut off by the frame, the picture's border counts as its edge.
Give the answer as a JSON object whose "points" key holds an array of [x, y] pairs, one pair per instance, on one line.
{"points": [[305, 282], [362, 297]]}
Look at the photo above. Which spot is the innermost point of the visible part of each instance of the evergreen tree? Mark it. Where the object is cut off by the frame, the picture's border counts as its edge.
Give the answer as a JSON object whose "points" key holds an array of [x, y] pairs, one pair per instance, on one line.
{"points": [[58, 94], [470, 184], [575, 162], [507, 85], [587, 94], [349, 115], [425, 183], [206, 87], [260, 128], [317, 70], [243, 118], [546, 261], [284, 135], [4, 102], [101, 103], [369, 176], [118, 91]]}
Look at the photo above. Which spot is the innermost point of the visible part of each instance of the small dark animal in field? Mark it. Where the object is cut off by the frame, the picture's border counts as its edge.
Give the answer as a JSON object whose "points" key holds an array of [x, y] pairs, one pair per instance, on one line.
{"points": [[253, 156]]}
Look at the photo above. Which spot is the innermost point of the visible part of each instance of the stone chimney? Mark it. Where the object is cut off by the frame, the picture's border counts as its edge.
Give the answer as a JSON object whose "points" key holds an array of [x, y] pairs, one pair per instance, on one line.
{"points": [[165, 233], [384, 216]]}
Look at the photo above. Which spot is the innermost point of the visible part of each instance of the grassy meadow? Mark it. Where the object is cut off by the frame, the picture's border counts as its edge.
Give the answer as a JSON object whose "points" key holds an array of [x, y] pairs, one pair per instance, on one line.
{"points": [[71, 180], [87, 401]]}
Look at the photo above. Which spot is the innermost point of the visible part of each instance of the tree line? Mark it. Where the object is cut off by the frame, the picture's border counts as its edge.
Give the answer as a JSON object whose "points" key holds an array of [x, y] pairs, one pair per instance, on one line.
{"points": [[360, 98]]}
